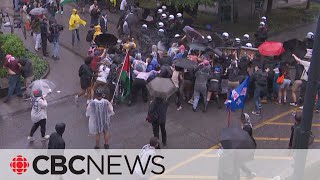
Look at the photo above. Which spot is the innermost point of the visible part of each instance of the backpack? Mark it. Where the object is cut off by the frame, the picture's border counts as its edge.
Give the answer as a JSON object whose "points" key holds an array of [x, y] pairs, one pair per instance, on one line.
{"points": [[90, 34], [153, 114], [50, 37], [80, 72], [262, 79]]}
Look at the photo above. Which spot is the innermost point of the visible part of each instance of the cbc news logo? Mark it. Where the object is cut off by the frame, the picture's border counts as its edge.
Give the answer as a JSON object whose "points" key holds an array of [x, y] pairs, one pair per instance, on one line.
{"points": [[19, 164]]}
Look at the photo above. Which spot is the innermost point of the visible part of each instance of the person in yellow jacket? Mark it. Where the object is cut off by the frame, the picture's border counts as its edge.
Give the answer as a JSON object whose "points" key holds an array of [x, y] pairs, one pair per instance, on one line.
{"points": [[74, 24], [97, 31]]}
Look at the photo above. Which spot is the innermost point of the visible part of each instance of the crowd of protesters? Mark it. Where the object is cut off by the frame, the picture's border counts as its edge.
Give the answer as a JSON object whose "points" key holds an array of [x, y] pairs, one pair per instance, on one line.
{"points": [[153, 55]]}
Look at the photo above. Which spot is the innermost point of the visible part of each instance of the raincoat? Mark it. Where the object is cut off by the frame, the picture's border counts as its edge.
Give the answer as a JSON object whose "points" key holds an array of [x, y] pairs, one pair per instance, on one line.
{"points": [[99, 113], [75, 20], [56, 141], [97, 31]]}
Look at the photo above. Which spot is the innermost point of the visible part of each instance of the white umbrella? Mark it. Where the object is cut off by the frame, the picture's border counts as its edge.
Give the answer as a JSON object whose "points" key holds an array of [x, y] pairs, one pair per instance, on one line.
{"points": [[45, 85], [38, 11]]}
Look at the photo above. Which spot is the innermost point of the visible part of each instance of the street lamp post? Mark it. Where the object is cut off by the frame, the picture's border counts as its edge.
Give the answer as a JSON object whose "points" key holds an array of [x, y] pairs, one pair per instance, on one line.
{"points": [[303, 131]]}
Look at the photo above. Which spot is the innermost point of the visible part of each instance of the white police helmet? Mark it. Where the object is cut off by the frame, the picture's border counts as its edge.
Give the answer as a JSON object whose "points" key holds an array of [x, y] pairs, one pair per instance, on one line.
{"points": [[177, 35], [179, 15], [160, 24], [164, 8], [262, 24], [246, 36], [144, 26], [161, 31], [225, 34], [237, 40], [249, 45], [264, 18], [160, 11], [209, 38], [171, 17], [164, 16], [310, 35]]}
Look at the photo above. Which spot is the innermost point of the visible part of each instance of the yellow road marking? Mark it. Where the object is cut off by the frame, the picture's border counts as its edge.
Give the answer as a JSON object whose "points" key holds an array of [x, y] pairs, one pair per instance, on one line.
{"points": [[274, 118], [289, 124], [200, 177], [277, 139], [255, 157], [217, 145]]}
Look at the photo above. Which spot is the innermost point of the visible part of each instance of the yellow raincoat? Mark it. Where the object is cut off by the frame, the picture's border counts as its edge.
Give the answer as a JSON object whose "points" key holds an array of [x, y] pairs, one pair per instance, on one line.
{"points": [[75, 20], [97, 31]]}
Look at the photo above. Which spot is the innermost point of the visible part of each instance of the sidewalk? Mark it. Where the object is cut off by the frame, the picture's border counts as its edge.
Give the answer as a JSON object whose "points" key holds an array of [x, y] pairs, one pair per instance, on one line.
{"points": [[64, 73]]}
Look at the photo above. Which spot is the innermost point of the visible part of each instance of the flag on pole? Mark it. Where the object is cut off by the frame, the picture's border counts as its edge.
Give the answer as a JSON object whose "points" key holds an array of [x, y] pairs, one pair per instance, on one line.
{"points": [[237, 97], [63, 2], [125, 75]]}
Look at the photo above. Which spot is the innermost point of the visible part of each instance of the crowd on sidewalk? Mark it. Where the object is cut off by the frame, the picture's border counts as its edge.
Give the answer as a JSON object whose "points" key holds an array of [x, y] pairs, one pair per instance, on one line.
{"points": [[165, 51]]}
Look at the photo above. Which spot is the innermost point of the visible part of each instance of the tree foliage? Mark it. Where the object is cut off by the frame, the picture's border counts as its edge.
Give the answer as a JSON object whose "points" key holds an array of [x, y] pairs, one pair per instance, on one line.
{"points": [[189, 3]]}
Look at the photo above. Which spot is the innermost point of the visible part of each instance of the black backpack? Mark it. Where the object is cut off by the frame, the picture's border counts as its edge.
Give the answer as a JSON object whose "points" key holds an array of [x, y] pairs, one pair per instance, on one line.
{"points": [[262, 79]]}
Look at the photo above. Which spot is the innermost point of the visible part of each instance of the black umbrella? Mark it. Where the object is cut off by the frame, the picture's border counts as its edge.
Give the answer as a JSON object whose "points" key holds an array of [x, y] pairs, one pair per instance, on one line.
{"points": [[106, 40], [161, 87], [293, 46], [131, 19], [193, 34], [185, 63], [236, 138]]}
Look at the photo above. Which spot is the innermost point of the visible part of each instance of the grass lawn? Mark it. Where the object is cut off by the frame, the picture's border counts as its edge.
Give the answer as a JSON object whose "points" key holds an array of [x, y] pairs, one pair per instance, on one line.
{"points": [[279, 20]]}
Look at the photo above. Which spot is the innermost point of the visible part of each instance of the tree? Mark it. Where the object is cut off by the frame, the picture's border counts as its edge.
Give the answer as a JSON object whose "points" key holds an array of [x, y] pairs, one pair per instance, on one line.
{"points": [[308, 4], [269, 6]]}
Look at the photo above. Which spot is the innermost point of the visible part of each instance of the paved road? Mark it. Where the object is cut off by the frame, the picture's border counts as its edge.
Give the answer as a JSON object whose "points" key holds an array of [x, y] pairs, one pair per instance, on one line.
{"points": [[186, 129]]}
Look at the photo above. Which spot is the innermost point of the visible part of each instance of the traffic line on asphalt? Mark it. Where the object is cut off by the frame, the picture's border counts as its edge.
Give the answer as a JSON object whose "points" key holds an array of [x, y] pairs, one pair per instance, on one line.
{"points": [[218, 145], [277, 139], [274, 118], [289, 124], [202, 177], [255, 157]]}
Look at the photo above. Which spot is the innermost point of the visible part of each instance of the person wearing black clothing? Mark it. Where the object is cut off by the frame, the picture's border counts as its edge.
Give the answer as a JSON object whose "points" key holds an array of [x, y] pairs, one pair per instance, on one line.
{"points": [[159, 107], [26, 68], [260, 78], [44, 36], [214, 85], [297, 118], [56, 141], [261, 35], [86, 75]]}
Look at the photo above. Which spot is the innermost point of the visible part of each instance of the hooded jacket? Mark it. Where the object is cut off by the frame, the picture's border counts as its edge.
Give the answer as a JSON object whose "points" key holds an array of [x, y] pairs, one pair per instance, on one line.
{"points": [[56, 141], [75, 20], [97, 31]]}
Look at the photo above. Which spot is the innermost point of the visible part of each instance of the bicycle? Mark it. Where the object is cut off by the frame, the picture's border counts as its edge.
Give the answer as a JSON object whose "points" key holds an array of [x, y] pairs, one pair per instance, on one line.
{"points": [[112, 6]]}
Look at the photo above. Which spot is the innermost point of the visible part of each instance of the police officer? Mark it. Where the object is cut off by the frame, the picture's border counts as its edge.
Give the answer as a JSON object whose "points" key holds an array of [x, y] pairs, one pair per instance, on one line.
{"points": [[237, 43], [245, 40], [261, 34], [226, 41]]}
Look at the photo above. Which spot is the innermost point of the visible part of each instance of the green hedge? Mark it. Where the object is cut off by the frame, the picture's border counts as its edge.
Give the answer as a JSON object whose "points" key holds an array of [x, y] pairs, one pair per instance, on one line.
{"points": [[12, 44]]}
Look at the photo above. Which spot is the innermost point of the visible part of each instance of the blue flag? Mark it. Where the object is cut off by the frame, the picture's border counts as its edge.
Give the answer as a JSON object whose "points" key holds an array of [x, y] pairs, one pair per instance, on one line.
{"points": [[237, 97]]}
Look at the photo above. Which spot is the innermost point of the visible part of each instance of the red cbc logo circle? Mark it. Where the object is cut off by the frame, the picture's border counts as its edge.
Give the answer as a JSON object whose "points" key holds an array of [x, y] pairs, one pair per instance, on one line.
{"points": [[19, 164]]}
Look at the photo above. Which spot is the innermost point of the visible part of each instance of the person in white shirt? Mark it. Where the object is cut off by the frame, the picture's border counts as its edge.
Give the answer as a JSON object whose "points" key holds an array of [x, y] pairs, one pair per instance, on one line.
{"points": [[103, 74], [304, 76], [147, 151], [38, 115], [123, 6]]}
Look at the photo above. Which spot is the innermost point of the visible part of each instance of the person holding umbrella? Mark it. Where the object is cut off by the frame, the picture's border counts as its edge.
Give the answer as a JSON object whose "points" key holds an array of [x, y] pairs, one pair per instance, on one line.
{"points": [[36, 30], [38, 115], [158, 109], [74, 24]]}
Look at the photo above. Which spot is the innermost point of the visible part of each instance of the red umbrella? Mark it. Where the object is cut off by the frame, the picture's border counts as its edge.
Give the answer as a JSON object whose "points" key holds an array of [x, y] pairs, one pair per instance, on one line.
{"points": [[269, 48]]}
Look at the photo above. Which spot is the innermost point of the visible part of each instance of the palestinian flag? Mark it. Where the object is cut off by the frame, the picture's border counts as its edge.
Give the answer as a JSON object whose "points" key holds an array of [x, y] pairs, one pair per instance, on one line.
{"points": [[125, 76], [63, 2]]}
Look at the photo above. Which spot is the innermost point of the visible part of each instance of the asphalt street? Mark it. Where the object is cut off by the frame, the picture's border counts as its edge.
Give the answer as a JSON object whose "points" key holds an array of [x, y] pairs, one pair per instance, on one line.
{"points": [[185, 129]]}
